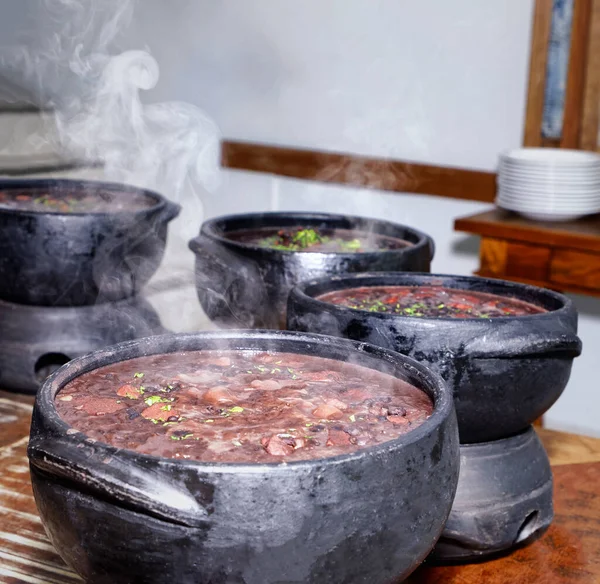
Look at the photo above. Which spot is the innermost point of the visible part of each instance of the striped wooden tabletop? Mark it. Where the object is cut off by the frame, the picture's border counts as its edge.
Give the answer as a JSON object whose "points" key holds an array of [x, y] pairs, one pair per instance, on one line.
{"points": [[569, 553]]}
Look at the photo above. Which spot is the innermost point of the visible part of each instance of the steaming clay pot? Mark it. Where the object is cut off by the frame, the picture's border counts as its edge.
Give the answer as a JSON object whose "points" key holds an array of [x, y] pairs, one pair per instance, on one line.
{"points": [[370, 516], [75, 259], [240, 284], [35, 340], [504, 372]]}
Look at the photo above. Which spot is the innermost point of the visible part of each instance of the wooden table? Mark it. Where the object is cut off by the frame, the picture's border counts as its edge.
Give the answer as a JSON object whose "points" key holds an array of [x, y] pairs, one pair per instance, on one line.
{"points": [[560, 256], [569, 553]]}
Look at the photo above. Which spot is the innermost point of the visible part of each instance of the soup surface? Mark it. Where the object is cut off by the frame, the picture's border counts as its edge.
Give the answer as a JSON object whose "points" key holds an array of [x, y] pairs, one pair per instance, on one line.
{"points": [[317, 240], [79, 201], [241, 406], [436, 301]]}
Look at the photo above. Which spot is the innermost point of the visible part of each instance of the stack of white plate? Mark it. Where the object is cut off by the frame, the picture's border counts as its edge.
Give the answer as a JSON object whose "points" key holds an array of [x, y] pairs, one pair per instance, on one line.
{"points": [[549, 184]]}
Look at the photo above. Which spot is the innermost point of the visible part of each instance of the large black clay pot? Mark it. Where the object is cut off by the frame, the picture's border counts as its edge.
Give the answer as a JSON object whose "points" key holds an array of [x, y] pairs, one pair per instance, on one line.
{"points": [[244, 285], [505, 372], [74, 259], [117, 516]]}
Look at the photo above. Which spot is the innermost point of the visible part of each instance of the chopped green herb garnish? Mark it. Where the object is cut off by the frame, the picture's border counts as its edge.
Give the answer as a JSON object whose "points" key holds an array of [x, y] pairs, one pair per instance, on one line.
{"points": [[156, 399], [236, 410], [209, 421], [138, 375], [166, 408], [182, 437], [352, 245], [352, 418], [306, 238]]}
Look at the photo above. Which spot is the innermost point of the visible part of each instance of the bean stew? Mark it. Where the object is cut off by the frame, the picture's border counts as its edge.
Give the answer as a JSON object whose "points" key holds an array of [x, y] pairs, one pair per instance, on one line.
{"points": [[430, 301], [83, 201], [317, 240], [241, 406]]}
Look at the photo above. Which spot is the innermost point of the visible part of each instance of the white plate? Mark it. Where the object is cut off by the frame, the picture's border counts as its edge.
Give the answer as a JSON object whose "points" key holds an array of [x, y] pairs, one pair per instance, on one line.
{"points": [[538, 215], [553, 171], [536, 157], [550, 192], [575, 177], [550, 217], [547, 182], [545, 208], [549, 205], [548, 195], [549, 168], [548, 200]]}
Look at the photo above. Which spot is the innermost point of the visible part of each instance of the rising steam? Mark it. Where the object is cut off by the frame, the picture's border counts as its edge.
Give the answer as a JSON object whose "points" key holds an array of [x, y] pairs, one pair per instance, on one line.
{"points": [[72, 65]]}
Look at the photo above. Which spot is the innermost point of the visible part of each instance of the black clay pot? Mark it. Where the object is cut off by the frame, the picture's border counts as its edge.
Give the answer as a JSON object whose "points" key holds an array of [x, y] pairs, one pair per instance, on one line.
{"points": [[244, 285], [117, 516], [36, 340], [504, 499], [505, 372], [75, 259]]}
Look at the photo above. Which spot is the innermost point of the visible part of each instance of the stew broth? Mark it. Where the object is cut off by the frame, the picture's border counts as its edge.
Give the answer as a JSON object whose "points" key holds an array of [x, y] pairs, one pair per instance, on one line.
{"points": [[317, 240], [84, 201], [430, 301], [241, 406]]}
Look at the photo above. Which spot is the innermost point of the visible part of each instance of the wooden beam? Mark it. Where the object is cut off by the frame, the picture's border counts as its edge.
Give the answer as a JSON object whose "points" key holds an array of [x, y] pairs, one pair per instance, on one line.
{"points": [[363, 171], [540, 36], [576, 79]]}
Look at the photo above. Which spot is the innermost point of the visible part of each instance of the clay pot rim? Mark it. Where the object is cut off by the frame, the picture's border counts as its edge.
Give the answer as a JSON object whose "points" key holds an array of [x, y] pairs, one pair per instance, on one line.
{"points": [[305, 292], [160, 202], [215, 229]]}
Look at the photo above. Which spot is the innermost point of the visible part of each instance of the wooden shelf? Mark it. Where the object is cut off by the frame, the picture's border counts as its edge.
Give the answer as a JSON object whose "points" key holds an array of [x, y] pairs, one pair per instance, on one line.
{"points": [[560, 256]]}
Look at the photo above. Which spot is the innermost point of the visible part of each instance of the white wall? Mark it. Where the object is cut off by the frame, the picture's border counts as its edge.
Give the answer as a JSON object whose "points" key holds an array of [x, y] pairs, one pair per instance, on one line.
{"points": [[434, 81]]}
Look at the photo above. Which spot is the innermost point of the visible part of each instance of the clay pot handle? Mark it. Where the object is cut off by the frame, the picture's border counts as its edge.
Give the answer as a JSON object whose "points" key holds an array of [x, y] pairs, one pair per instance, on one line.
{"points": [[146, 490], [484, 347], [228, 278], [170, 211]]}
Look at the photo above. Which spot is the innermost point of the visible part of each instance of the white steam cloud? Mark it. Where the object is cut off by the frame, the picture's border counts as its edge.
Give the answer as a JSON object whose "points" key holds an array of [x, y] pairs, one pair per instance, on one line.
{"points": [[71, 63]]}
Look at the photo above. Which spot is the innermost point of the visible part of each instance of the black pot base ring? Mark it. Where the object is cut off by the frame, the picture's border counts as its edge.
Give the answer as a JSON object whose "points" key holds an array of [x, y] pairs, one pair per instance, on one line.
{"points": [[36, 340], [503, 501]]}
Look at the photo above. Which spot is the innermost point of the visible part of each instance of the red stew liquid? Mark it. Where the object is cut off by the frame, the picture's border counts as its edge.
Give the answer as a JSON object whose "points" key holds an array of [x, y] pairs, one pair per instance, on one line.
{"points": [[84, 201], [310, 239], [241, 406], [430, 301]]}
